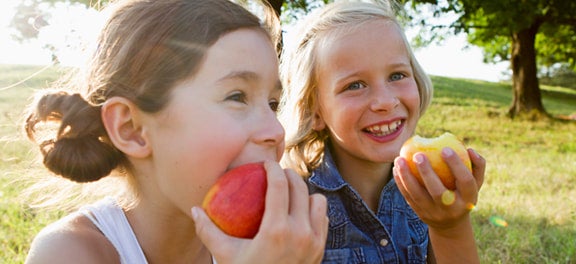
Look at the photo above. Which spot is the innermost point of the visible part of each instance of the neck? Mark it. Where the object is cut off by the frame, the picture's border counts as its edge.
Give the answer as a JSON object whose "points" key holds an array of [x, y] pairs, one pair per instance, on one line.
{"points": [[167, 237], [368, 179]]}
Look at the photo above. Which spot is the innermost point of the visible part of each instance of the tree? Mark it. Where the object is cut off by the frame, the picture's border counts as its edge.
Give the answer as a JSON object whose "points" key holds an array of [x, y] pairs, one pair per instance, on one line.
{"points": [[530, 34], [31, 16], [520, 32]]}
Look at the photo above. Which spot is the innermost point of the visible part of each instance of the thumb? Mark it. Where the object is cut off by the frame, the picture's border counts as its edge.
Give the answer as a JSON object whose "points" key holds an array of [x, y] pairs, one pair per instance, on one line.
{"points": [[206, 230]]}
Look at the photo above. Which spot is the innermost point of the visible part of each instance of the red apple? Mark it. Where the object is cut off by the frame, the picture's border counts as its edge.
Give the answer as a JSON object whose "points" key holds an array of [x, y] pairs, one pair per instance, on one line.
{"points": [[432, 148], [236, 201]]}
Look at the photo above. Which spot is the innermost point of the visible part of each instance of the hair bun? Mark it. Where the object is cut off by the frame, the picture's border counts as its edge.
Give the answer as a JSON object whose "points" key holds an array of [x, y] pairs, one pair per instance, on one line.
{"points": [[79, 150], [83, 159]]}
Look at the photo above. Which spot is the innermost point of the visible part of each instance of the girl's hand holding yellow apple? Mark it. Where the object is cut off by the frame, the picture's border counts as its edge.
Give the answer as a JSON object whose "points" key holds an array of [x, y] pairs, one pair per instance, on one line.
{"points": [[440, 179], [424, 173]]}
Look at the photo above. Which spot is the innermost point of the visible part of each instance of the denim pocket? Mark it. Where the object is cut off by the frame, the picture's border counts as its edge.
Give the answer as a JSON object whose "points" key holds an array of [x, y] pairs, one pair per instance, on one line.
{"points": [[344, 256], [418, 231], [417, 253]]}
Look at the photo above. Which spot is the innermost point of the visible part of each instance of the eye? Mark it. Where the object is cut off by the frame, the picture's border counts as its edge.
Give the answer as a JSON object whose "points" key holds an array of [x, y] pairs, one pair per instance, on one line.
{"points": [[397, 76], [355, 86], [274, 105], [237, 96]]}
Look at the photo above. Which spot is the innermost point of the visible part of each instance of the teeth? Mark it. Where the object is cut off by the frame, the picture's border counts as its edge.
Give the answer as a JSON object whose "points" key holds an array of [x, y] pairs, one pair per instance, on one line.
{"points": [[385, 129]]}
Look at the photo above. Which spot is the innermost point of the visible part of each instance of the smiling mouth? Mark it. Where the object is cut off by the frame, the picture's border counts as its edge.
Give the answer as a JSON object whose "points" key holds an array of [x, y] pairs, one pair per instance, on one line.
{"points": [[384, 129]]}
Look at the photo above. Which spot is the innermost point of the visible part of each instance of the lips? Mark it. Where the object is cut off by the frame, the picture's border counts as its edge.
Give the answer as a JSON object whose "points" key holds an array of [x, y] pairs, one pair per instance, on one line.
{"points": [[381, 130]]}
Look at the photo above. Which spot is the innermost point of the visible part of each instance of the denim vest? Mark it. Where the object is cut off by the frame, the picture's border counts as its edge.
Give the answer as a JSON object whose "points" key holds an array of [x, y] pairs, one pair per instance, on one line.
{"points": [[394, 234]]}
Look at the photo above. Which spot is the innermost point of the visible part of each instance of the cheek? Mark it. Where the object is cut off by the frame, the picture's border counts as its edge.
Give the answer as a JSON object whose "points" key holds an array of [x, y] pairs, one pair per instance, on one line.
{"points": [[207, 146], [413, 95], [196, 163], [411, 100], [222, 145], [340, 119]]}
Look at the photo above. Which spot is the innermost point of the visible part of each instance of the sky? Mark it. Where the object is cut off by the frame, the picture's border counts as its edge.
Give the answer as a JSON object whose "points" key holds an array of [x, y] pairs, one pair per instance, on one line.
{"points": [[449, 59]]}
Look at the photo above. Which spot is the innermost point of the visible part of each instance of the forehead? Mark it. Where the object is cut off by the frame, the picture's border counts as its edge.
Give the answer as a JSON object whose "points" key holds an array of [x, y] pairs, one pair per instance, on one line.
{"points": [[243, 50], [380, 29], [361, 42]]}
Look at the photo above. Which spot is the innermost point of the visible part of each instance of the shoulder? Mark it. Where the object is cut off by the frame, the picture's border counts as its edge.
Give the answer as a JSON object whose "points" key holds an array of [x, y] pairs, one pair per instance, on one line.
{"points": [[72, 239]]}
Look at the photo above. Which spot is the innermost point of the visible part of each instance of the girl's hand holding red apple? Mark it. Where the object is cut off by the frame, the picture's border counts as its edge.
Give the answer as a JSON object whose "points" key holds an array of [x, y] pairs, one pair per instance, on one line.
{"points": [[437, 205], [293, 228]]}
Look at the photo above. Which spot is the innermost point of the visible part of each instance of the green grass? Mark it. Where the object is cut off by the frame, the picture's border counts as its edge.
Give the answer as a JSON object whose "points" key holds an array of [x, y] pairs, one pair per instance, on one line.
{"points": [[18, 224], [530, 181], [531, 169]]}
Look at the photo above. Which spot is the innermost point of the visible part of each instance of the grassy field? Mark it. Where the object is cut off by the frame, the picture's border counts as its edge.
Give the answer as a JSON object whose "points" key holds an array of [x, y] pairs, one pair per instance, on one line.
{"points": [[526, 212]]}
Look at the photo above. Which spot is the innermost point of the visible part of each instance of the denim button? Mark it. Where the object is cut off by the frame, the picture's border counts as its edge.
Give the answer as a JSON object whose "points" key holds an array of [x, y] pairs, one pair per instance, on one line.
{"points": [[384, 242]]}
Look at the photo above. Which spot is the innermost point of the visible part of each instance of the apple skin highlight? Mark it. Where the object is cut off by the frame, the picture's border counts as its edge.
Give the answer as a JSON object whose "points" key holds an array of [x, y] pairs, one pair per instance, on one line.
{"points": [[432, 148], [236, 202]]}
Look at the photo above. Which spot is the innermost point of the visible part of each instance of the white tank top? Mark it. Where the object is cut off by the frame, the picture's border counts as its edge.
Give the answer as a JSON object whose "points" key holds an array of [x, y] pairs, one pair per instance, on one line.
{"points": [[109, 217]]}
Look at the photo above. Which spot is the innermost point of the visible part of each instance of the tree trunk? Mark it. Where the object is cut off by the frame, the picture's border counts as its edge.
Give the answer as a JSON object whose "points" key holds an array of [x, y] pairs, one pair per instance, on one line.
{"points": [[277, 6], [527, 97]]}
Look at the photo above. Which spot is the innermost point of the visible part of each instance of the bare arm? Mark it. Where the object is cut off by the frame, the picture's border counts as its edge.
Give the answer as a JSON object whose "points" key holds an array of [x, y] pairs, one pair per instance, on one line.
{"points": [[454, 245]]}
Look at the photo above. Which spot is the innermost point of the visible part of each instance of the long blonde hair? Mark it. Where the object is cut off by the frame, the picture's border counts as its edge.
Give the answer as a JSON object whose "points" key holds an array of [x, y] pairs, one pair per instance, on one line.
{"points": [[304, 145]]}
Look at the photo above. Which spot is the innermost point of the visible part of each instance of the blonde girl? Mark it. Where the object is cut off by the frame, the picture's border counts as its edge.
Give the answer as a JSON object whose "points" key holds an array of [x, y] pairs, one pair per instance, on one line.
{"points": [[353, 94]]}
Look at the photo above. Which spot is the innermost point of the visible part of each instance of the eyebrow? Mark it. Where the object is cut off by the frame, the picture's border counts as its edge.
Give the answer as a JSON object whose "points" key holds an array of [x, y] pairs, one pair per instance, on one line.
{"points": [[278, 86], [347, 75], [247, 76], [402, 64]]}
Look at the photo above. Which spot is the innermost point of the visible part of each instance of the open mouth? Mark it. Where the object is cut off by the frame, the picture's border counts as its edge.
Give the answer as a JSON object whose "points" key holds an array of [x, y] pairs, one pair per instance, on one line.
{"points": [[384, 129]]}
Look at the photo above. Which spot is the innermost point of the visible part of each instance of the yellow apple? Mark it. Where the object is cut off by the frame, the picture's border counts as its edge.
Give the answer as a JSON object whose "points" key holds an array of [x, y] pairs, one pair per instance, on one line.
{"points": [[235, 203], [432, 148]]}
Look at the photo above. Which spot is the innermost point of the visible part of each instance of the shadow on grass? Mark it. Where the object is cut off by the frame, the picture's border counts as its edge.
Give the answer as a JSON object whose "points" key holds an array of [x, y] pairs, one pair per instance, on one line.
{"points": [[559, 95], [560, 103], [504, 239], [489, 92]]}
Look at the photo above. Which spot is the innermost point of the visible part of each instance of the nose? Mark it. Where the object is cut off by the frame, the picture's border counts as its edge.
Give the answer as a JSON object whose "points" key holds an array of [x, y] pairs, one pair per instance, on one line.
{"points": [[269, 131], [384, 99]]}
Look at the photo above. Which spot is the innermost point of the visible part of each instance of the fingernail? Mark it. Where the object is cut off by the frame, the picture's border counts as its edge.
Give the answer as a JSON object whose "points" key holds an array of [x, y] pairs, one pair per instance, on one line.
{"points": [[447, 152], [418, 158], [474, 153], [399, 162], [195, 213]]}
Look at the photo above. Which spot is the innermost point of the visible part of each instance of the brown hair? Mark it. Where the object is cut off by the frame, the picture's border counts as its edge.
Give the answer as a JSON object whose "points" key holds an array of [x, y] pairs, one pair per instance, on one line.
{"points": [[144, 49]]}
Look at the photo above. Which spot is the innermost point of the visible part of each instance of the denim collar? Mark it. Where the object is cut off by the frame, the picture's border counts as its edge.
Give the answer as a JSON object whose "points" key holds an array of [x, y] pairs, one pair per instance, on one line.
{"points": [[326, 176]]}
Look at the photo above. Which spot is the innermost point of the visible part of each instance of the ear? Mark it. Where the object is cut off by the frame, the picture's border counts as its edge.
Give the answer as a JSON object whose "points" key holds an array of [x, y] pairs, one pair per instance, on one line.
{"points": [[317, 121], [121, 119]]}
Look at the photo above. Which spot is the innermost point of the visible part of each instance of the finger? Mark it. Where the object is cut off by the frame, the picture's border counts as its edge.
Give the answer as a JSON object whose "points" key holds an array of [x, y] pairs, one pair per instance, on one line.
{"points": [[319, 222], [399, 177], [432, 182], [478, 166], [319, 214], [298, 191], [410, 188], [277, 196], [466, 185], [210, 235]]}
